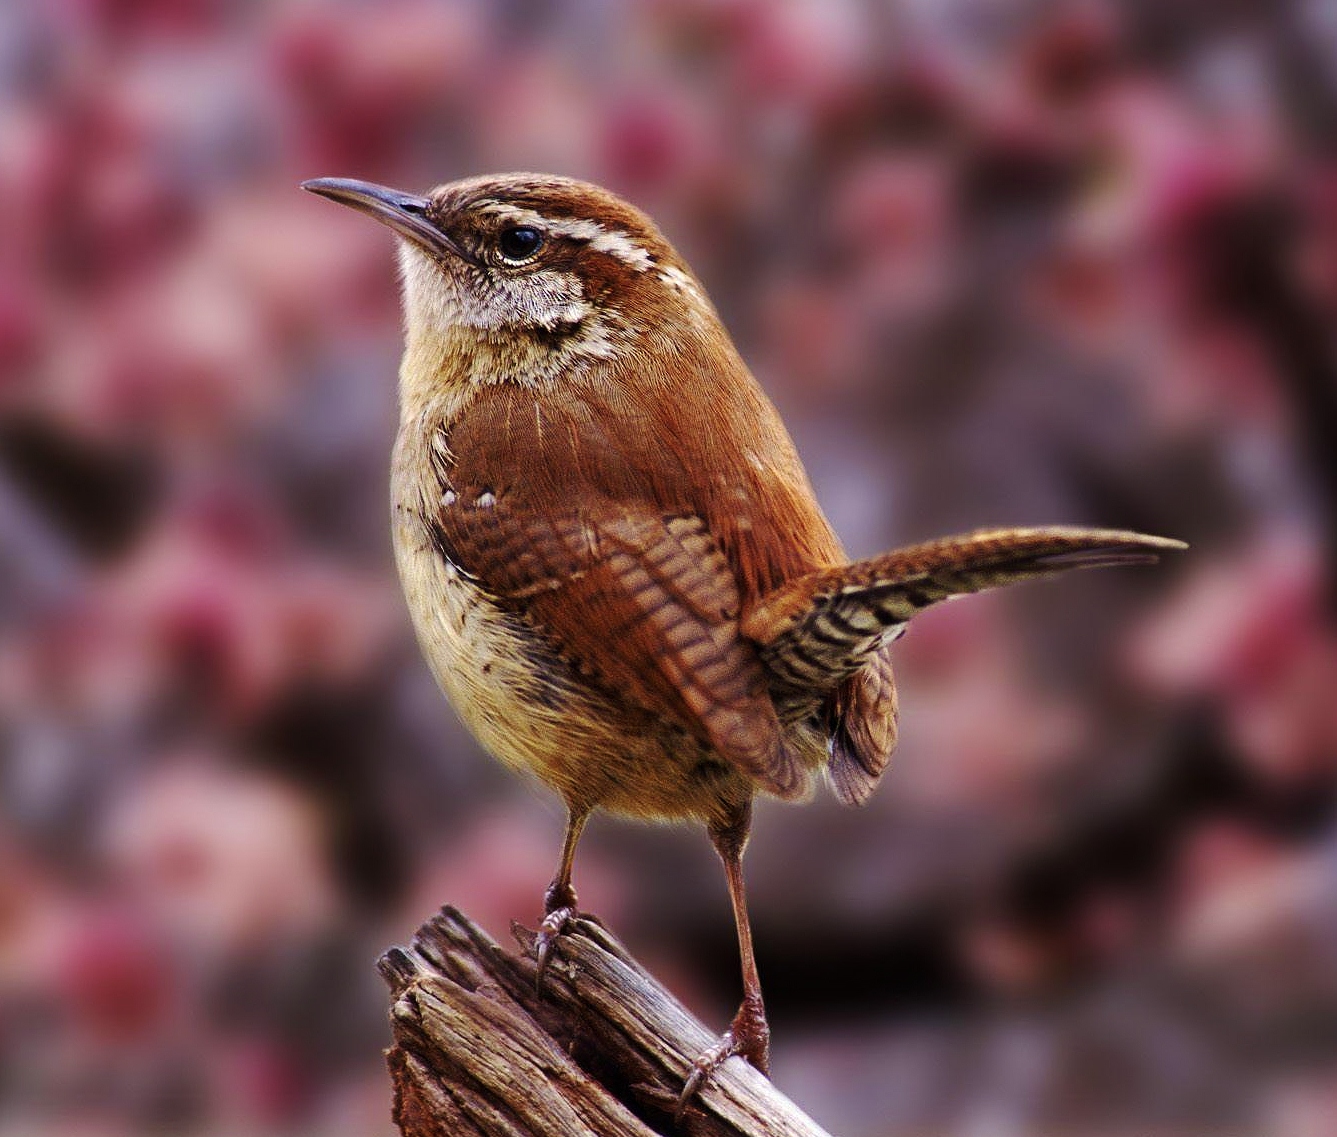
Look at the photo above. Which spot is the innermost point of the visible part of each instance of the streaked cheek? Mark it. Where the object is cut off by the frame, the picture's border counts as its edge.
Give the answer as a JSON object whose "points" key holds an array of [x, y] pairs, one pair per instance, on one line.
{"points": [[436, 299], [542, 299]]}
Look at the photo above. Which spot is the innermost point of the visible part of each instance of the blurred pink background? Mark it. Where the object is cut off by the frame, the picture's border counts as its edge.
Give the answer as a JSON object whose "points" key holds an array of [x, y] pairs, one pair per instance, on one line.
{"points": [[998, 262]]}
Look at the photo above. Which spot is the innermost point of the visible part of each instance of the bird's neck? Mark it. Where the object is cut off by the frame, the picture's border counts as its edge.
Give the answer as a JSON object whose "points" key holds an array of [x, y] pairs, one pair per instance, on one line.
{"points": [[438, 376], [441, 371]]}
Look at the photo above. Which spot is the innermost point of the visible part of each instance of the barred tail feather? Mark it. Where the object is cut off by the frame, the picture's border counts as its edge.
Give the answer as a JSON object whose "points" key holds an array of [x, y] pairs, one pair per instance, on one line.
{"points": [[820, 629], [862, 723]]}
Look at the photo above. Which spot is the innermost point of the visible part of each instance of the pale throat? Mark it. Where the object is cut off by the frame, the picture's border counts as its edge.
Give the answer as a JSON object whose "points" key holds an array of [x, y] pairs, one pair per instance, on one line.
{"points": [[461, 333]]}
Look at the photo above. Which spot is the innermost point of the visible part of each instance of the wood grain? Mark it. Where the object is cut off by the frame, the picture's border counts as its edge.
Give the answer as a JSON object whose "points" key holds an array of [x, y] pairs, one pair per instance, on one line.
{"points": [[604, 1052]]}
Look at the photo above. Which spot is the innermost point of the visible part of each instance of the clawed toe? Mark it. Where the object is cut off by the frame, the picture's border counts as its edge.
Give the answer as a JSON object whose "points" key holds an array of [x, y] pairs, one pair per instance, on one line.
{"points": [[725, 1048], [748, 1035], [554, 924]]}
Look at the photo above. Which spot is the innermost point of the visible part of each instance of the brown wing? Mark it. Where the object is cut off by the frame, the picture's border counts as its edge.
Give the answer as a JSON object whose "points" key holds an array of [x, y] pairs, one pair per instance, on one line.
{"points": [[644, 603]]}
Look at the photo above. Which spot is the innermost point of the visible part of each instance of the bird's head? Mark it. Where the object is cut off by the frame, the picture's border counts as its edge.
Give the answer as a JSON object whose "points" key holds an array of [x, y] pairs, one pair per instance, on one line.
{"points": [[541, 267]]}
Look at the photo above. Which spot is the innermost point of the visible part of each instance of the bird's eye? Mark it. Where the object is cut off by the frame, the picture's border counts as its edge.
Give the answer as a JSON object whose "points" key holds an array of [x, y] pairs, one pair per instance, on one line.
{"points": [[519, 242]]}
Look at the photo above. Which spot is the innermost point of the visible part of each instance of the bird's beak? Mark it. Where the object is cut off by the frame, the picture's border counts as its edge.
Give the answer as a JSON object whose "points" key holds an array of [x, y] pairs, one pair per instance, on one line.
{"points": [[402, 212]]}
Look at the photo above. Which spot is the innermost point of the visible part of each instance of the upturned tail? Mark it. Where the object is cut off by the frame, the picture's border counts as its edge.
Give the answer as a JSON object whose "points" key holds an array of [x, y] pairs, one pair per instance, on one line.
{"points": [[819, 636]]}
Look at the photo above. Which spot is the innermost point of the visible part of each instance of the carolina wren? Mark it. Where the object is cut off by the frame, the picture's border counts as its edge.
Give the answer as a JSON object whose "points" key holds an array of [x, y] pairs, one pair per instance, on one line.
{"points": [[614, 561]]}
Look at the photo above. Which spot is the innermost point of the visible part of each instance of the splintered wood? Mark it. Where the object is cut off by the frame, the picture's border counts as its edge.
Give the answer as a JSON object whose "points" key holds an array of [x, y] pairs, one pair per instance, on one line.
{"points": [[603, 1052]]}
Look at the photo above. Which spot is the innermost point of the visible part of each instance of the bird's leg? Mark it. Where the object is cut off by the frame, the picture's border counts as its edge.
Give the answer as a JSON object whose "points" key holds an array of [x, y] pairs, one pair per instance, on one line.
{"points": [[559, 902], [748, 1034]]}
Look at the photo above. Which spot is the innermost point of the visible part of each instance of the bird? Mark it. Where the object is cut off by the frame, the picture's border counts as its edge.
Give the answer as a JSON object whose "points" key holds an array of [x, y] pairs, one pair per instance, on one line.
{"points": [[616, 566]]}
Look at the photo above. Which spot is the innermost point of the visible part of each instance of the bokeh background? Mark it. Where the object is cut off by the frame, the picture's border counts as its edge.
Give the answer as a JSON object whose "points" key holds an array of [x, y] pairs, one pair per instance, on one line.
{"points": [[997, 262]]}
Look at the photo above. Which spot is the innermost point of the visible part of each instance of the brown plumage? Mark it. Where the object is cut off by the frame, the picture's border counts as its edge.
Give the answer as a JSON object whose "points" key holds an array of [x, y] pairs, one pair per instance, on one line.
{"points": [[614, 560]]}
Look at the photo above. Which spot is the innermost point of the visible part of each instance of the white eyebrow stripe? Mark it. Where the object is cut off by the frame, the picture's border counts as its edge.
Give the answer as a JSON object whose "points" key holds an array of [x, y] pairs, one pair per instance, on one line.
{"points": [[513, 213], [614, 242], [679, 281]]}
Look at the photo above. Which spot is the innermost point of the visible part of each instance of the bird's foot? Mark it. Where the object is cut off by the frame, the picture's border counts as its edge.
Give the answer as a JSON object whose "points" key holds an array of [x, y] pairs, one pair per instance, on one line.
{"points": [[559, 910], [748, 1035]]}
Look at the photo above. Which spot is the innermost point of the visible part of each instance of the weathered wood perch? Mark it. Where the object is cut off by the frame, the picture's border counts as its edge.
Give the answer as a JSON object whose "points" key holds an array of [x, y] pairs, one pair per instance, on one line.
{"points": [[604, 1052]]}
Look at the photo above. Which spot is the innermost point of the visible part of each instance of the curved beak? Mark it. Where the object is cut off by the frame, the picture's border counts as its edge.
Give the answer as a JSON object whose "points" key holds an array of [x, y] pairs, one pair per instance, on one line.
{"points": [[405, 213]]}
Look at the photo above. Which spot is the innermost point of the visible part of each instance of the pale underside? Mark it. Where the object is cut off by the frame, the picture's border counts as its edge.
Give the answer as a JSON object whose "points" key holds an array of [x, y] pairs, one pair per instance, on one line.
{"points": [[530, 709]]}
